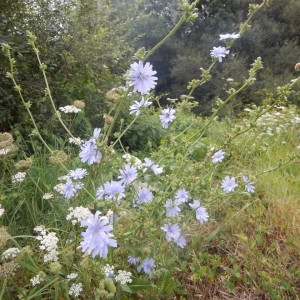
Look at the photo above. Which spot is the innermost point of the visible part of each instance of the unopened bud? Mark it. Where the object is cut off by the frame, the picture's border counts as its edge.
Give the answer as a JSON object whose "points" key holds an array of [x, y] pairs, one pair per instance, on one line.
{"points": [[108, 119]]}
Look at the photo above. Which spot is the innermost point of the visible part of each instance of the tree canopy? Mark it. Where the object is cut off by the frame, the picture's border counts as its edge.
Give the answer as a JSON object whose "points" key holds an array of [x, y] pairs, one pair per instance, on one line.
{"points": [[87, 46]]}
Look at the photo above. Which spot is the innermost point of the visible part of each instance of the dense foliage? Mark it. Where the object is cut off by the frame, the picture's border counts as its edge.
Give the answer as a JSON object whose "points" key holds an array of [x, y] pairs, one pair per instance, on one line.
{"points": [[273, 36], [114, 187], [86, 46]]}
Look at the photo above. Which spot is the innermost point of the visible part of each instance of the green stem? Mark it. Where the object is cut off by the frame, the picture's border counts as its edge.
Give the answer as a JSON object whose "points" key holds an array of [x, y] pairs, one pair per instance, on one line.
{"points": [[126, 129], [47, 90], [280, 164], [246, 24], [167, 37], [114, 118], [26, 105], [183, 18]]}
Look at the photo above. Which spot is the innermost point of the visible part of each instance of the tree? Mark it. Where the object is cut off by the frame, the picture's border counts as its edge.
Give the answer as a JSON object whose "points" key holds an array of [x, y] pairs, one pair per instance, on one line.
{"points": [[84, 45]]}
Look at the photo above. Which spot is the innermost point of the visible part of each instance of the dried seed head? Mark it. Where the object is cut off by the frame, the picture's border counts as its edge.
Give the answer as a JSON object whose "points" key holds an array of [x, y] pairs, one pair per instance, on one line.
{"points": [[79, 104], [6, 144], [7, 269], [113, 94], [23, 165], [108, 119], [297, 67], [58, 157]]}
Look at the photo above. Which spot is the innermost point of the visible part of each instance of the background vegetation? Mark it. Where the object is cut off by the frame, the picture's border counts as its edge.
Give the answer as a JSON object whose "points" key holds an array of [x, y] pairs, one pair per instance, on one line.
{"points": [[86, 45], [249, 248]]}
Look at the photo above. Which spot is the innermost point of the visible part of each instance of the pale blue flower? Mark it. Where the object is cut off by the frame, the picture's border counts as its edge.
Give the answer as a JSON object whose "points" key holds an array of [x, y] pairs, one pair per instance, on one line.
{"points": [[172, 231], [218, 156], [201, 213], [172, 208], [181, 196], [180, 241], [78, 173], [229, 184], [96, 133], [136, 107], [167, 117], [156, 169], [147, 266], [128, 175], [69, 189], [100, 193], [114, 190], [249, 187], [133, 260], [89, 151], [144, 195], [229, 36], [219, 52], [97, 236], [141, 77]]}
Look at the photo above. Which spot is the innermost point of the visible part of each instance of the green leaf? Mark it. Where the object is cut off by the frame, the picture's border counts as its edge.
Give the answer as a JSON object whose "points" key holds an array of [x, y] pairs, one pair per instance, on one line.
{"points": [[126, 288], [168, 284], [140, 284]]}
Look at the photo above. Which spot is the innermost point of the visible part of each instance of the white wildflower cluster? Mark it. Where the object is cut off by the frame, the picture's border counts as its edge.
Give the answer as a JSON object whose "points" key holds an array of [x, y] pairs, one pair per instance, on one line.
{"points": [[276, 121], [130, 159], [59, 188], [70, 109], [47, 196], [123, 277], [48, 242], [75, 289], [10, 253], [272, 125], [36, 280], [19, 177], [76, 141], [77, 214], [1, 211], [4, 151], [109, 271], [72, 276]]}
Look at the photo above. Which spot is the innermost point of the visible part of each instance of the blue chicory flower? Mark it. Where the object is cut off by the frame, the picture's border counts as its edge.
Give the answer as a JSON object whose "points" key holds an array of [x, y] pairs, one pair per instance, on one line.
{"points": [[180, 241], [113, 190], [249, 187], [181, 196], [144, 195], [172, 231], [78, 173], [89, 151], [218, 156], [136, 107], [167, 117], [70, 189], [141, 77], [201, 213], [133, 260], [232, 36], [219, 52], [97, 236], [156, 169], [172, 208], [128, 175], [229, 184], [147, 266]]}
